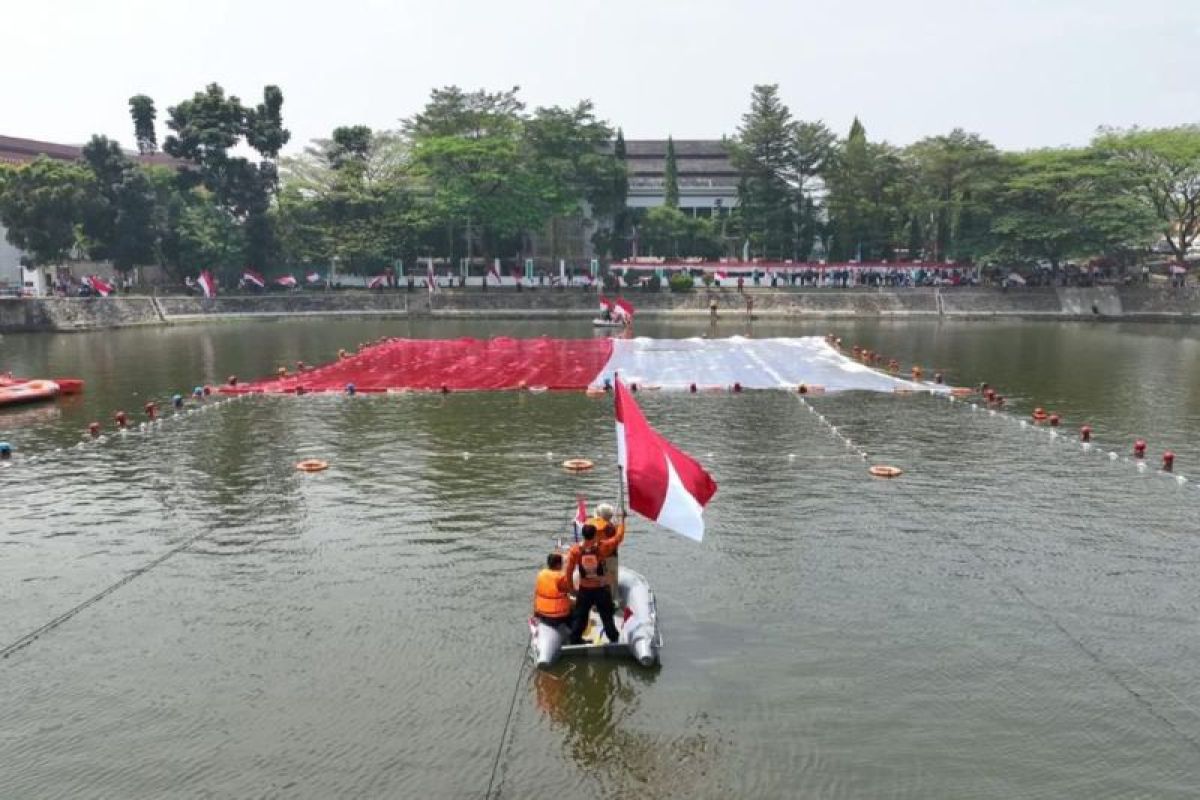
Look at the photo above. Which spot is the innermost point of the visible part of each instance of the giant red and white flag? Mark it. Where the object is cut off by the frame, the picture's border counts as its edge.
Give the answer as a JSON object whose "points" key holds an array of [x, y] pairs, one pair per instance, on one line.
{"points": [[207, 284], [252, 278], [99, 285], [665, 484]]}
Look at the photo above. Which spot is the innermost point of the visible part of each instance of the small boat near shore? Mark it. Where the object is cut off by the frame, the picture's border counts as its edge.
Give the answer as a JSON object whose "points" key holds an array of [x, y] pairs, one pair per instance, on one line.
{"points": [[636, 619], [17, 393], [65, 385]]}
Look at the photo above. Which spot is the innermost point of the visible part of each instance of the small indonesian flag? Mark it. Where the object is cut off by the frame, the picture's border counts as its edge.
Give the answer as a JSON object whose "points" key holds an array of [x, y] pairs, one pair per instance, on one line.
{"points": [[494, 273], [430, 279], [286, 280], [378, 282], [581, 516], [313, 277], [252, 278], [623, 308], [207, 284], [99, 285], [665, 484], [720, 275]]}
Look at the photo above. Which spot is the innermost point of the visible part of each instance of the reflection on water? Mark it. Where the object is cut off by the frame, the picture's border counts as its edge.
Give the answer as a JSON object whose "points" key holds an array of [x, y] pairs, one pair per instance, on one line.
{"points": [[1014, 617]]}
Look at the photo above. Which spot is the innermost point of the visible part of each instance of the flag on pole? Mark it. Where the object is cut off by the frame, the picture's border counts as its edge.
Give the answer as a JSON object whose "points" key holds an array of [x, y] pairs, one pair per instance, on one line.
{"points": [[207, 284], [665, 484], [430, 278], [313, 277], [624, 307], [252, 278], [492, 272], [720, 275], [99, 285], [378, 282], [581, 516], [286, 280]]}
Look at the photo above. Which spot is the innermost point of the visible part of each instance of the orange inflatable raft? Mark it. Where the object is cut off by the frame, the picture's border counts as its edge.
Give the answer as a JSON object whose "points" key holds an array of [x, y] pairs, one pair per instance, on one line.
{"points": [[15, 393]]}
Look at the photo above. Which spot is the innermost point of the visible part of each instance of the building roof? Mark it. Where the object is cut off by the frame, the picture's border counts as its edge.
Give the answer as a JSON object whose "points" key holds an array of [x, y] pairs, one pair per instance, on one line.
{"points": [[703, 166], [21, 151], [692, 148]]}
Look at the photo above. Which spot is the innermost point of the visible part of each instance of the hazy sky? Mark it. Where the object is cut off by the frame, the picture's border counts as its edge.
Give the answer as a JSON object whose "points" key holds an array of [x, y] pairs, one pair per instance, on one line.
{"points": [[1024, 73]]}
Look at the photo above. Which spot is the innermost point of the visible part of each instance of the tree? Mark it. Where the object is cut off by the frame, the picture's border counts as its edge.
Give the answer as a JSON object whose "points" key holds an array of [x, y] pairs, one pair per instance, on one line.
{"points": [[141, 108], [813, 146], [951, 176], [206, 129], [1163, 171], [764, 151], [671, 177], [42, 206], [1058, 204], [120, 214]]}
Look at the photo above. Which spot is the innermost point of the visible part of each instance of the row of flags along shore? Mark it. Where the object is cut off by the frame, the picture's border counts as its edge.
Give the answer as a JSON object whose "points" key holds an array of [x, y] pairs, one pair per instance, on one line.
{"points": [[620, 308]]}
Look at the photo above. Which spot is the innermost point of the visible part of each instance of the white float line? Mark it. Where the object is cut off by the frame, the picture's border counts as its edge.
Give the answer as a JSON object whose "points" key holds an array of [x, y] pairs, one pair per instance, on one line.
{"points": [[1054, 434]]}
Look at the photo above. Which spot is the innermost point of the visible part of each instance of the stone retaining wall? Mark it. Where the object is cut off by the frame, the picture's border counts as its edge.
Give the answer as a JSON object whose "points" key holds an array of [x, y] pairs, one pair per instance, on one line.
{"points": [[1133, 303]]}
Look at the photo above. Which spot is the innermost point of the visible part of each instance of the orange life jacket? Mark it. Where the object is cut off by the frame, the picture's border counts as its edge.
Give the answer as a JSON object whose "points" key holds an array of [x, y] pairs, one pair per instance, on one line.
{"points": [[604, 528], [548, 599], [591, 567]]}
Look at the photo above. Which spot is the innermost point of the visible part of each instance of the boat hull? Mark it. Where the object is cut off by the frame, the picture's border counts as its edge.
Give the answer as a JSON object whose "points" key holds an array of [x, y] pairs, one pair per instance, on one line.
{"points": [[636, 620]]}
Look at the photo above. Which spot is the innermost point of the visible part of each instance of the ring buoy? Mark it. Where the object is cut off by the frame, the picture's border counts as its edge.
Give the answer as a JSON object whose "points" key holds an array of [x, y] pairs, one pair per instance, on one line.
{"points": [[577, 465], [312, 465], [884, 471]]}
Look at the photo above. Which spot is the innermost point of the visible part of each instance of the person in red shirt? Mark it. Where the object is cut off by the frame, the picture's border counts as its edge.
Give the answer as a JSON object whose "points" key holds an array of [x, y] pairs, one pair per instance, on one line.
{"points": [[593, 589]]}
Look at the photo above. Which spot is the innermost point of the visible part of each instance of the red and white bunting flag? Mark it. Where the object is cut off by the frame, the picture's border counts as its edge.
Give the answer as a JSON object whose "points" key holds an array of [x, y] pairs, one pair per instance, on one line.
{"points": [[493, 273], [286, 280], [378, 282], [581, 516], [665, 484], [207, 284], [99, 285], [313, 277], [252, 278]]}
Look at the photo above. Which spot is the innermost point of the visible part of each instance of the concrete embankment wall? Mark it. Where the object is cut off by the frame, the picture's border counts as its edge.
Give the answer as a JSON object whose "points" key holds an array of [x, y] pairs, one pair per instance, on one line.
{"points": [[1107, 303]]}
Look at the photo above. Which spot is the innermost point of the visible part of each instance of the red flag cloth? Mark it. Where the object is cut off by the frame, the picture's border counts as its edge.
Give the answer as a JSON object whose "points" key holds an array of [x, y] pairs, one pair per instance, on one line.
{"points": [[377, 282], [286, 280], [581, 516], [665, 484], [624, 305], [207, 284], [99, 285], [253, 278], [313, 277]]}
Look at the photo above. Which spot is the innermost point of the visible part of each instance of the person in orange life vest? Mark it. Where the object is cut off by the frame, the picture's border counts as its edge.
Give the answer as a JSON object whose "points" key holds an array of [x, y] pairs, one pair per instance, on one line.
{"points": [[588, 558], [551, 603], [605, 530]]}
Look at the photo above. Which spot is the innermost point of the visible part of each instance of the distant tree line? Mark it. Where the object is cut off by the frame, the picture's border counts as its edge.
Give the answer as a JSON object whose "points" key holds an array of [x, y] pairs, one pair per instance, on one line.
{"points": [[478, 175]]}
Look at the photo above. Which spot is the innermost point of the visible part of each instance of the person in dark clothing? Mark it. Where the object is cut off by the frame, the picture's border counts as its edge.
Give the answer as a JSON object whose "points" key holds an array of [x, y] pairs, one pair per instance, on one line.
{"points": [[588, 557]]}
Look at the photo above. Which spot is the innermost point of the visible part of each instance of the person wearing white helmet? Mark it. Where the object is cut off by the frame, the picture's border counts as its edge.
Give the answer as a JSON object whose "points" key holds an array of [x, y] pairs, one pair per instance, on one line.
{"points": [[606, 529]]}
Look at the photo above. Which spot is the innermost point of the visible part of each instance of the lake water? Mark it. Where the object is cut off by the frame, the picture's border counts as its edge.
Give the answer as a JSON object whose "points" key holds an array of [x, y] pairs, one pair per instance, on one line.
{"points": [[1014, 617]]}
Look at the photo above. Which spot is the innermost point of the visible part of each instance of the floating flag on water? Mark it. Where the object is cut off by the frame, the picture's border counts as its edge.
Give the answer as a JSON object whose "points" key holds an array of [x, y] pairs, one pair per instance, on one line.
{"points": [[378, 282], [99, 285], [207, 284], [313, 277], [252, 278], [665, 484], [286, 280]]}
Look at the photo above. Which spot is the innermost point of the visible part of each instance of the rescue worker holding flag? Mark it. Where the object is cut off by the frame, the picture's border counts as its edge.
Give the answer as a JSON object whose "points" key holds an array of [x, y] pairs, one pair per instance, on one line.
{"points": [[588, 557]]}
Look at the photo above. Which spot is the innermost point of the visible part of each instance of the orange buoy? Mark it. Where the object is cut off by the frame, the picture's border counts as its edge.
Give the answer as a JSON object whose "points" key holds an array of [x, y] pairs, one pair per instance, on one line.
{"points": [[885, 471], [312, 465], [577, 465]]}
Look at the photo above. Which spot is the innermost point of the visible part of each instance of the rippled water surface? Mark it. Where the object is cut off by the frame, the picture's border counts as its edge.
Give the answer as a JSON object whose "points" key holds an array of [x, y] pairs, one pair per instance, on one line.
{"points": [[1014, 617]]}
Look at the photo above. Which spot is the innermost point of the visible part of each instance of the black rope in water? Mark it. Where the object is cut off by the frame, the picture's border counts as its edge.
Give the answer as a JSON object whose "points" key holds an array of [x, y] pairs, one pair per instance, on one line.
{"points": [[512, 706], [33, 635]]}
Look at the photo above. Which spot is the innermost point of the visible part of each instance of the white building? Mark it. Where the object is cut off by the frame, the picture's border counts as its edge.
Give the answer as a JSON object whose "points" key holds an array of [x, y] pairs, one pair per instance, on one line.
{"points": [[707, 179]]}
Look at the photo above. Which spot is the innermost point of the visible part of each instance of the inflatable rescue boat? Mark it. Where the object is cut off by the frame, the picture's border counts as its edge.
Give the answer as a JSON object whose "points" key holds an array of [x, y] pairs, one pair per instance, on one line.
{"points": [[600, 322], [14, 393], [636, 619]]}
